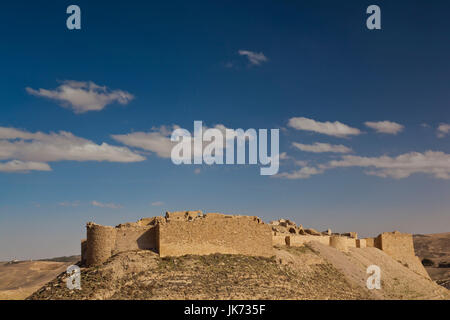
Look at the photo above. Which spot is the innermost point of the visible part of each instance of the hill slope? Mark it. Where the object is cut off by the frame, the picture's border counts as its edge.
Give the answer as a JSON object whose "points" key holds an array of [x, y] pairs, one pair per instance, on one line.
{"points": [[436, 248], [19, 280], [311, 272]]}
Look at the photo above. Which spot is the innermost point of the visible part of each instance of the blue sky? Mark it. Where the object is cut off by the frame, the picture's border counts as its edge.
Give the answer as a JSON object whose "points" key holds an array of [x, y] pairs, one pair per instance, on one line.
{"points": [[174, 62]]}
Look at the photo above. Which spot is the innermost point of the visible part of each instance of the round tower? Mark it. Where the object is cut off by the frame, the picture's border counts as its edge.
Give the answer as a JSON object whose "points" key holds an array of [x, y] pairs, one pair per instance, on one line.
{"points": [[339, 243], [100, 243]]}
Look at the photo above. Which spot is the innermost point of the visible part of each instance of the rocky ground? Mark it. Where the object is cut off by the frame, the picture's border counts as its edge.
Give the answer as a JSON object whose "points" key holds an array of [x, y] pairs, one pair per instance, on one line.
{"points": [[435, 249], [311, 272]]}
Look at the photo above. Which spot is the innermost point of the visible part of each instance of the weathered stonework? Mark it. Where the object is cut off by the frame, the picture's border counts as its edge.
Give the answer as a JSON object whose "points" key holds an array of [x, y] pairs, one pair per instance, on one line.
{"points": [[400, 246], [361, 243], [215, 233], [192, 232], [300, 240], [101, 242], [339, 242], [370, 242], [180, 233]]}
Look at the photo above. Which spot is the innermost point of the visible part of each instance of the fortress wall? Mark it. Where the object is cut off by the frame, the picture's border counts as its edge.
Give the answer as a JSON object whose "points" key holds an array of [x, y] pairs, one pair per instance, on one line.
{"points": [[135, 237], [215, 233], [300, 240], [361, 243], [279, 240], [83, 251], [100, 243], [370, 242], [339, 243], [351, 243], [400, 246]]}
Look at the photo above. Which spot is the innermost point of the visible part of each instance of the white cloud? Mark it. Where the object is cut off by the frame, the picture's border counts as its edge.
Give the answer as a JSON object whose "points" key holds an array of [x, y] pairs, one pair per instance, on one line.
{"points": [[336, 128], [322, 147], [106, 205], [83, 96], [157, 203], [157, 140], [30, 151], [253, 57], [23, 166], [443, 130], [385, 127], [303, 173], [435, 163]]}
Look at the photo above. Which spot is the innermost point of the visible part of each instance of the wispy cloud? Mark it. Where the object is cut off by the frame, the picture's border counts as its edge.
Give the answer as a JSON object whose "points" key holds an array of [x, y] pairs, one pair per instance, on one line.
{"points": [[303, 173], [106, 205], [23, 166], [69, 204], [157, 140], [336, 128], [443, 130], [157, 203], [30, 151], [434, 163], [387, 127], [254, 58], [83, 96], [319, 147]]}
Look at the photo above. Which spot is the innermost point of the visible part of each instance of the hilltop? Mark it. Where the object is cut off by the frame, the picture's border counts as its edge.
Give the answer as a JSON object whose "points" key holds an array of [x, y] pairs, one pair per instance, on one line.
{"points": [[314, 271]]}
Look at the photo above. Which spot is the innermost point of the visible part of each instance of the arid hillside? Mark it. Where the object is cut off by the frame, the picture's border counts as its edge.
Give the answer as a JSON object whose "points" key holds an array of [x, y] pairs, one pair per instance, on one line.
{"points": [[20, 279], [435, 249], [314, 271]]}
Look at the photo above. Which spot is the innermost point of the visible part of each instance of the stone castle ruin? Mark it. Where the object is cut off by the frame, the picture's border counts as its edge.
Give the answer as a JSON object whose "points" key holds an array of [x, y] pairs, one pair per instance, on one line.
{"points": [[192, 232]]}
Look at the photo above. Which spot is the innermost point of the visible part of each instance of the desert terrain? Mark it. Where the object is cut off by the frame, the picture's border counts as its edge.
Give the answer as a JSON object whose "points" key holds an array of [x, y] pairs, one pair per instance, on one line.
{"points": [[435, 248], [20, 279]]}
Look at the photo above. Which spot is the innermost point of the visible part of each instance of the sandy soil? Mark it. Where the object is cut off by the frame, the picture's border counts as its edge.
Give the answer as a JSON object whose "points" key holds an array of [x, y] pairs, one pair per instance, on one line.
{"points": [[19, 280], [435, 247]]}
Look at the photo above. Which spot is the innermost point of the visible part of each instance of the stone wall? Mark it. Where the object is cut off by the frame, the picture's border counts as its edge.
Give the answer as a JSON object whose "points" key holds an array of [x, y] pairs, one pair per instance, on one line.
{"points": [[214, 233], [300, 240], [279, 239], [400, 246], [83, 251], [361, 243], [370, 242], [135, 237]]}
